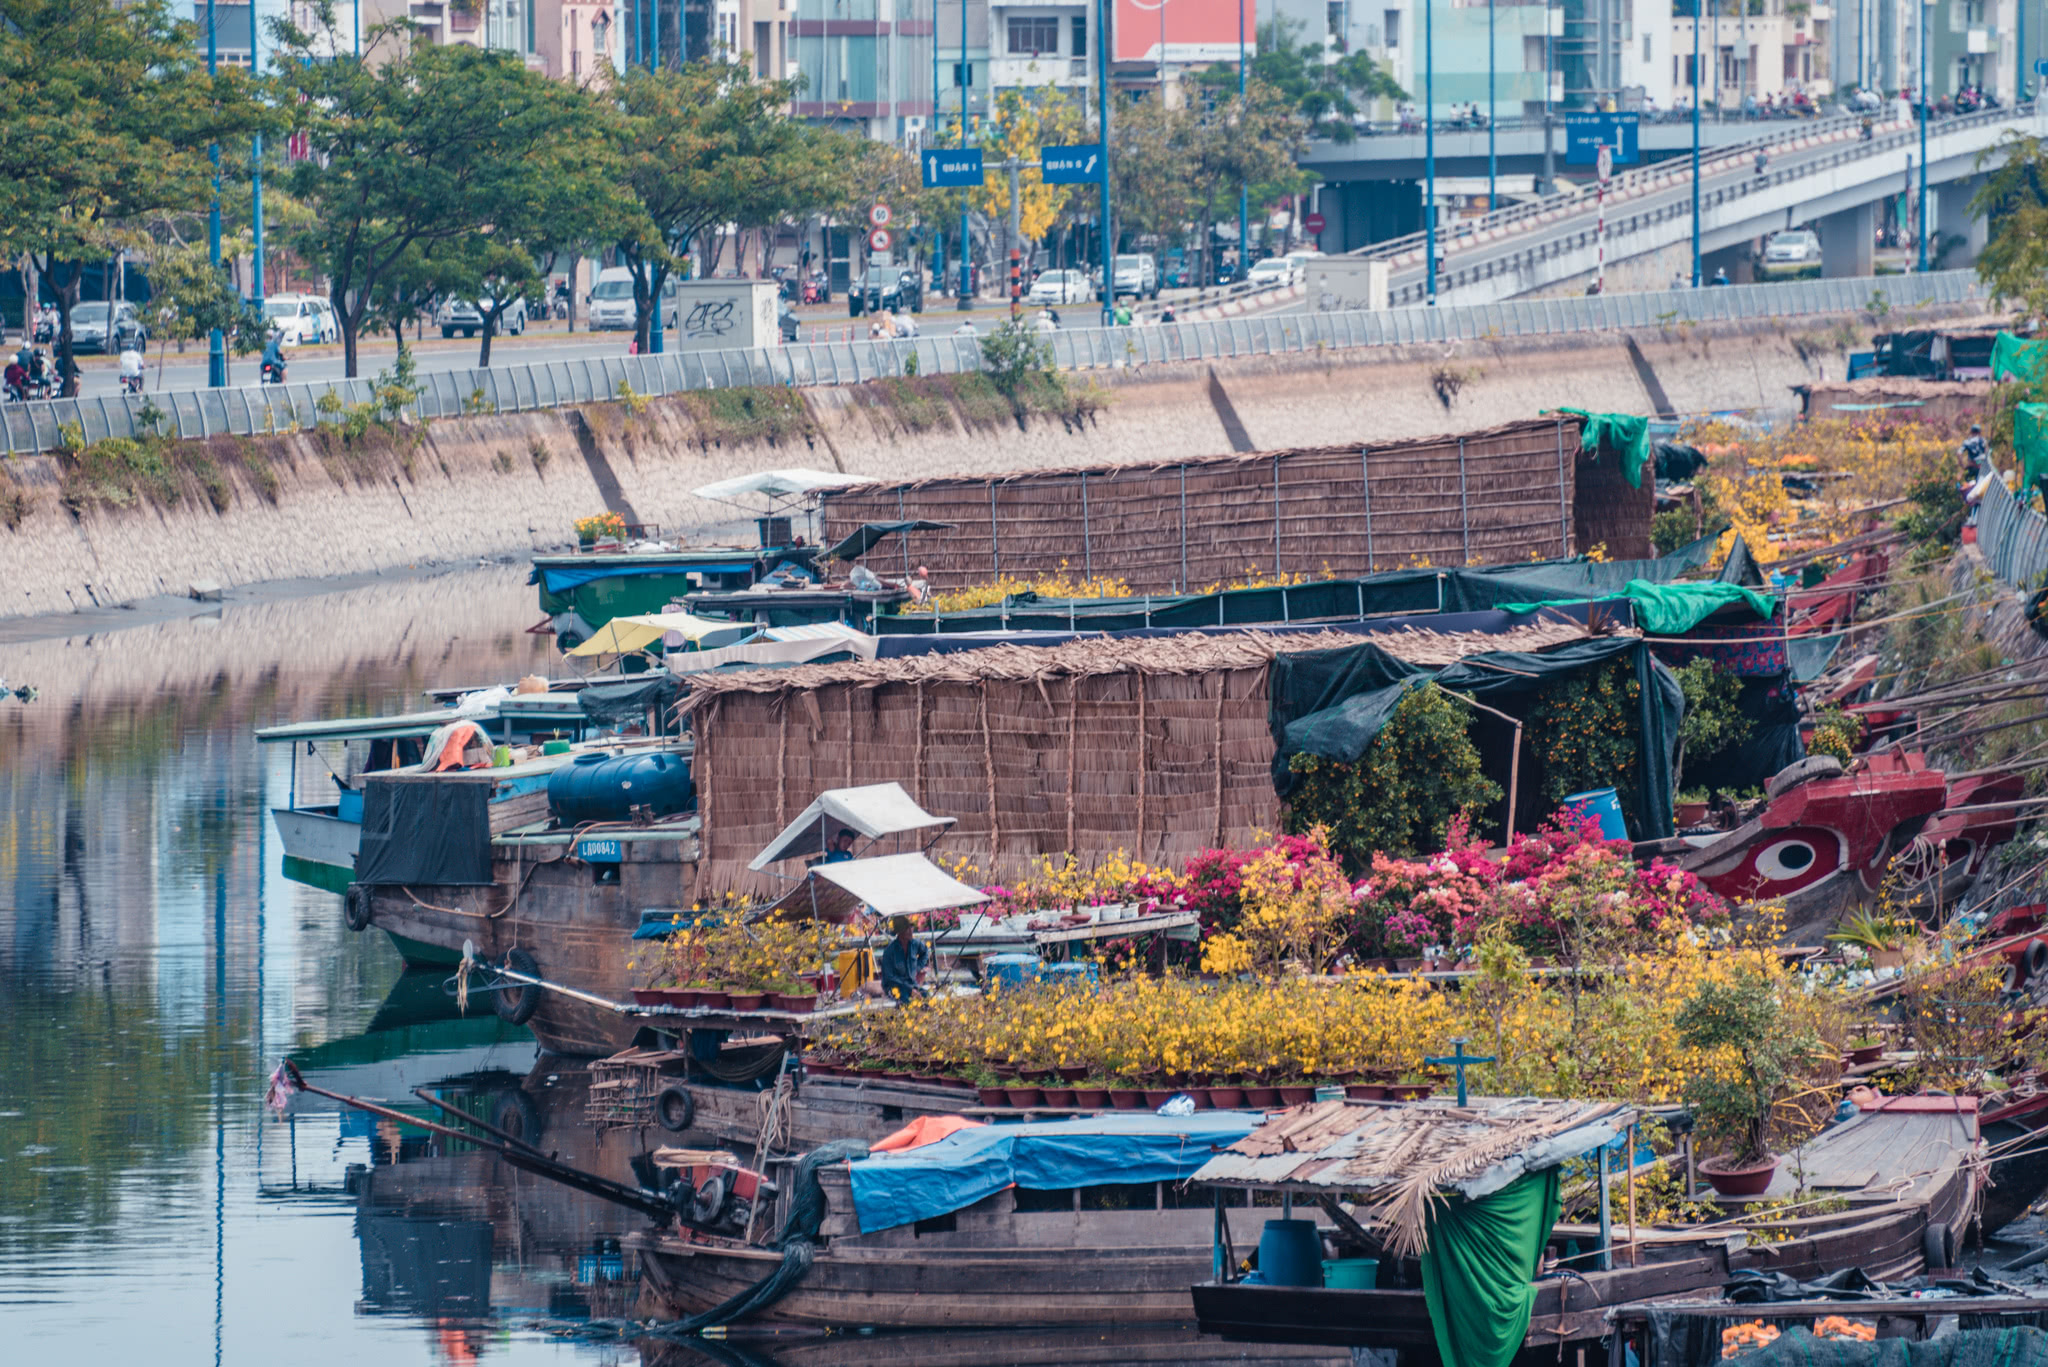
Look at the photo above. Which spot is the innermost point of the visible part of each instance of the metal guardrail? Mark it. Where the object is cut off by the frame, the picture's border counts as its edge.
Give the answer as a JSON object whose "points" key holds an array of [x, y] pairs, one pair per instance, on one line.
{"points": [[258, 410], [2012, 538], [1620, 224]]}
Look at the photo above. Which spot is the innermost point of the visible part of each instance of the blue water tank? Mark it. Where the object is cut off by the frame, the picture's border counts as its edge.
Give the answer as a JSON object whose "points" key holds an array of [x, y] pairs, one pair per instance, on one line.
{"points": [[1010, 970], [1077, 973], [1291, 1253], [603, 787]]}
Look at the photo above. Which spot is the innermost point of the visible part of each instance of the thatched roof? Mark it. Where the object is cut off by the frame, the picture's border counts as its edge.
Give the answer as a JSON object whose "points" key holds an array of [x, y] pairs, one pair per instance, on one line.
{"points": [[1404, 1155], [1190, 653]]}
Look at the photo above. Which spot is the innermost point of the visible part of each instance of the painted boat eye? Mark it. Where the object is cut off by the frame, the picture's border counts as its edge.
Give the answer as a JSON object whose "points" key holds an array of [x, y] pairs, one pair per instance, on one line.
{"points": [[1785, 859]]}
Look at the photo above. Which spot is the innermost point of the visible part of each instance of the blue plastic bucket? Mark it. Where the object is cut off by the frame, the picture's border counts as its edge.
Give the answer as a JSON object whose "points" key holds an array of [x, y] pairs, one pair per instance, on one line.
{"points": [[1291, 1253], [1351, 1274], [1602, 804], [1011, 970], [1080, 973]]}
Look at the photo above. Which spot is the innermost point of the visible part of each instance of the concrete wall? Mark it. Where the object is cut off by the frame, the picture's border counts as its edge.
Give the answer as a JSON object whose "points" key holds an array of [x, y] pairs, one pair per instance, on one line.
{"points": [[302, 505]]}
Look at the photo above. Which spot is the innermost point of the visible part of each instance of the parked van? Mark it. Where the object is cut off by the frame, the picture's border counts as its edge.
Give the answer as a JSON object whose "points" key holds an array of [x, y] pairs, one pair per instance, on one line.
{"points": [[302, 319], [611, 300]]}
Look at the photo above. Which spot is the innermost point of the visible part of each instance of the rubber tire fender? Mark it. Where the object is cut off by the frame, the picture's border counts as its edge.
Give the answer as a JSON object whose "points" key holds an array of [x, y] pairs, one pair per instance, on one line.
{"points": [[2034, 958], [355, 907], [517, 1007], [518, 1114], [1938, 1242], [674, 1109], [1802, 771]]}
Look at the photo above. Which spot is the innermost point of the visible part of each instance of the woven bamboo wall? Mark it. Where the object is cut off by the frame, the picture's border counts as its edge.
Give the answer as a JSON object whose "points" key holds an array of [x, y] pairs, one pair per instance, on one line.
{"points": [[1161, 766], [1490, 497], [1608, 512]]}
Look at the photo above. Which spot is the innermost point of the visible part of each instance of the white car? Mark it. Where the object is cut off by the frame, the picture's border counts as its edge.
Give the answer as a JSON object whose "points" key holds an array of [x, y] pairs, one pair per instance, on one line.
{"points": [[1792, 247], [467, 317], [611, 300], [301, 319], [1060, 287], [1136, 274], [1275, 272]]}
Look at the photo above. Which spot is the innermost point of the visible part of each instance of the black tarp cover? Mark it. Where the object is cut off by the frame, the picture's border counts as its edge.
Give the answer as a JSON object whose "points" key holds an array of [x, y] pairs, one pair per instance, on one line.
{"points": [[1334, 702], [611, 704], [870, 533], [420, 831]]}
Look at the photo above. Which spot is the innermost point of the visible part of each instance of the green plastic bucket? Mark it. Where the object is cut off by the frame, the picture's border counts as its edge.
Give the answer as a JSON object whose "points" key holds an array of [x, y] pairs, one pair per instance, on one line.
{"points": [[1351, 1274]]}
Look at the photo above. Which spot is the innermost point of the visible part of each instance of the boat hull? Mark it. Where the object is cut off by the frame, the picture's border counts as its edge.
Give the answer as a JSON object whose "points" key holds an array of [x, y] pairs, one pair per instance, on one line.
{"points": [[939, 1288]]}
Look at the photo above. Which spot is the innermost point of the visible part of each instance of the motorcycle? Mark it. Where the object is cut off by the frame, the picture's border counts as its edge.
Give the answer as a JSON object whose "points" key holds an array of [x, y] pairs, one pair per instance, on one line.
{"points": [[273, 372], [131, 384]]}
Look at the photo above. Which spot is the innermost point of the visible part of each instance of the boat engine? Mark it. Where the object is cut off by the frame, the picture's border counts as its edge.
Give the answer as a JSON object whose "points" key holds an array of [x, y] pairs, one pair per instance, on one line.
{"points": [[709, 1191]]}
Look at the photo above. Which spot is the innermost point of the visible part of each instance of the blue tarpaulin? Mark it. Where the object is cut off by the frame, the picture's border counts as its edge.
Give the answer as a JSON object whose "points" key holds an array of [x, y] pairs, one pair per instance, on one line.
{"points": [[891, 1189], [562, 580]]}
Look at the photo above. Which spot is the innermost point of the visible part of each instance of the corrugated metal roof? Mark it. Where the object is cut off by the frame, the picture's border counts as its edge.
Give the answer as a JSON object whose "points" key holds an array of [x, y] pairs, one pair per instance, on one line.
{"points": [[1361, 1145]]}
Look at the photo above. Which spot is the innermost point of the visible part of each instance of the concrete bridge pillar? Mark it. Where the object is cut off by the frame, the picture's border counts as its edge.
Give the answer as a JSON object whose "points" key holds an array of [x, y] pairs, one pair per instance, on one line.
{"points": [[1738, 261], [1848, 241], [1952, 219]]}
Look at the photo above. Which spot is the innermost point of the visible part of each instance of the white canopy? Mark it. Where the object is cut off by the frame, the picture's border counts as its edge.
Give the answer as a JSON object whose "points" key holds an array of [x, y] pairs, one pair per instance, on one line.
{"points": [[890, 885], [874, 811], [777, 484], [771, 647]]}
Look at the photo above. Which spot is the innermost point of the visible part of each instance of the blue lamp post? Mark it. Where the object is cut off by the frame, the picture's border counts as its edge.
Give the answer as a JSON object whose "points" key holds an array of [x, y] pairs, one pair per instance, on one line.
{"points": [[1696, 143], [1429, 148]]}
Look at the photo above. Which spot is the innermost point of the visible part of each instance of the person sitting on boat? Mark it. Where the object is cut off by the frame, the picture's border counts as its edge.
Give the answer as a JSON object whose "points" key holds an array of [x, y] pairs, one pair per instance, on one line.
{"points": [[903, 961], [842, 848]]}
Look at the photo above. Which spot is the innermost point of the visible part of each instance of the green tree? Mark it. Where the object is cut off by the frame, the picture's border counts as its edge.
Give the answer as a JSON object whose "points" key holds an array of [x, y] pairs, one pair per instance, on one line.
{"points": [[1151, 167], [1250, 141], [191, 297], [414, 147], [707, 145], [107, 114], [2014, 201], [1321, 93]]}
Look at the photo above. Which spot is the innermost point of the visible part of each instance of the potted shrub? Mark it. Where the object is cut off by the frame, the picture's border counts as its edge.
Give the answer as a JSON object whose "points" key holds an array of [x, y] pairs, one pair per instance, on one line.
{"points": [[1692, 807], [1750, 1059], [1865, 1048], [1881, 937]]}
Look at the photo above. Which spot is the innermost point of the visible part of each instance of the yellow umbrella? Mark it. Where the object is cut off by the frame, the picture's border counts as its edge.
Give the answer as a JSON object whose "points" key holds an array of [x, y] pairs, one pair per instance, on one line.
{"points": [[624, 635]]}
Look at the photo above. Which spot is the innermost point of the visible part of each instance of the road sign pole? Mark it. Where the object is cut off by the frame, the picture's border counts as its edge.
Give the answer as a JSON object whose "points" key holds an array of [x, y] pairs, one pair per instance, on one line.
{"points": [[1102, 93], [1605, 166], [966, 242], [1695, 144], [1492, 119], [1923, 135], [1429, 148]]}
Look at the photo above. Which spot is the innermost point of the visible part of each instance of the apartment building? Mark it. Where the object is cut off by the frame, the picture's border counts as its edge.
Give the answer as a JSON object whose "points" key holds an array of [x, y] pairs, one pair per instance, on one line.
{"points": [[1766, 50]]}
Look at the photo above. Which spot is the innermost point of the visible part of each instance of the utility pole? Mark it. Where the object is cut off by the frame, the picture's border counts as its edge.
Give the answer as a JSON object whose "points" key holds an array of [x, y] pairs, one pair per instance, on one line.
{"points": [[216, 343], [966, 255], [1696, 144], [1102, 93], [1492, 118], [1244, 192], [1429, 147], [256, 158], [1923, 135], [1549, 65], [931, 133]]}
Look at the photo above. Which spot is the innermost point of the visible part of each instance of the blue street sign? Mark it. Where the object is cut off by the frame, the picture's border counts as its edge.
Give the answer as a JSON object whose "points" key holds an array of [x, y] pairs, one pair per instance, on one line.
{"points": [[1081, 165], [2041, 67], [1583, 133], [952, 166]]}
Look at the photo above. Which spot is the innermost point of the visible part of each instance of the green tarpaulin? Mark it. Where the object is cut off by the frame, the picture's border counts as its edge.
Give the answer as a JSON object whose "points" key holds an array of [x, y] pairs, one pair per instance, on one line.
{"points": [[1670, 609], [1624, 434], [1334, 702], [2030, 441], [2017, 357], [1478, 1273]]}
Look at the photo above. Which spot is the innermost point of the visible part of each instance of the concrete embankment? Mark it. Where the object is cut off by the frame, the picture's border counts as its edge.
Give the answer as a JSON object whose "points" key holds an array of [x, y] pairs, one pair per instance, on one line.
{"points": [[118, 522]]}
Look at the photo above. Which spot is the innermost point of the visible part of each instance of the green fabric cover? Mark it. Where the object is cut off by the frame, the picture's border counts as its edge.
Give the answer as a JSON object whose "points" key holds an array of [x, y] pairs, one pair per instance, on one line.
{"points": [[1479, 1269], [1670, 609], [1334, 702], [2017, 357], [2030, 441], [1625, 434]]}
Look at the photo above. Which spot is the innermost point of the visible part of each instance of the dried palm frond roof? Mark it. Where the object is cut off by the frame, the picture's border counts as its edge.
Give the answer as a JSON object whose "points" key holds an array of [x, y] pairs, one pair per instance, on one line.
{"points": [[1378, 448], [1189, 653], [1404, 1156]]}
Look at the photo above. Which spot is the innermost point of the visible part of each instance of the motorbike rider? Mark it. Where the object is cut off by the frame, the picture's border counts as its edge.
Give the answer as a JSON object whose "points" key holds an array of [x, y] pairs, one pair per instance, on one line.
{"points": [[1763, 159], [273, 359], [16, 380], [131, 370], [68, 374]]}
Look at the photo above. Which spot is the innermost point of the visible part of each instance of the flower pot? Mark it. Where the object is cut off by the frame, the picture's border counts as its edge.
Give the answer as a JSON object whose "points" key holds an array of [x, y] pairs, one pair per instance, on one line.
{"points": [[1022, 1096], [1297, 1096], [1036, 1074], [1887, 958], [746, 1001], [1262, 1096], [800, 1002], [1866, 1053], [713, 998], [1691, 813], [1097, 1097], [1126, 1098], [1155, 1097], [1198, 1095], [1408, 1091], [1226, 1098], [1730, 1180], [1073, 1074], [1058, 1096], [993, 1096], [1003, 1069], [654, 996], [1366, 1091]]}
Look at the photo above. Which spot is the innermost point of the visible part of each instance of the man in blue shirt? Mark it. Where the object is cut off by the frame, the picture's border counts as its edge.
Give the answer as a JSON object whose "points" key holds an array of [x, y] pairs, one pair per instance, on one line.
{"points": [[902, 962]]}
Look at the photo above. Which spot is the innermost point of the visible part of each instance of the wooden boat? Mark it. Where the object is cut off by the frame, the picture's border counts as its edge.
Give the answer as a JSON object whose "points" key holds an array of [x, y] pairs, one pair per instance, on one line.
{"points": [[1080, 1346], [1078, 1249], [1896, 1317], [1906, 1170]]}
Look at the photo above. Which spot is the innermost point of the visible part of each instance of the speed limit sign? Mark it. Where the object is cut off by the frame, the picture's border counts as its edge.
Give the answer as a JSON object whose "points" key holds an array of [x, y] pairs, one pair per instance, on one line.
{"points": [[1605, 164], [879, 239], [879, 215]]}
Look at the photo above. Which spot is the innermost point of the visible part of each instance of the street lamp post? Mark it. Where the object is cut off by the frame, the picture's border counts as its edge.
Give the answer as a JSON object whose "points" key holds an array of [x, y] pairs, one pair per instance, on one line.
{"points": [[256, 161], [966, 255], [1696, 144], [1923, 135], [1244, 192], [1102, 92], [1429, 147], [216, 343], [1492, 116]]}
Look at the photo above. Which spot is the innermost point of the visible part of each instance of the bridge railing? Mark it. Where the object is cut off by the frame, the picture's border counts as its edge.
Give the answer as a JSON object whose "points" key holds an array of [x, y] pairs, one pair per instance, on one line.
{"points": [[257, 410]]}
